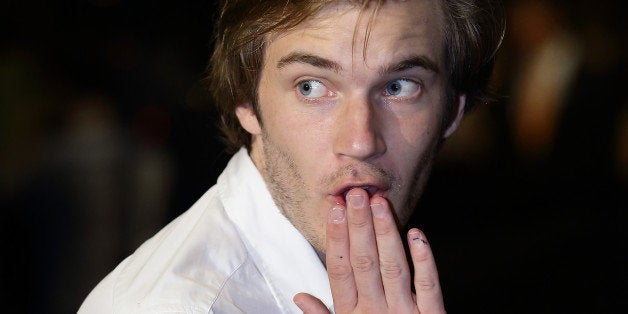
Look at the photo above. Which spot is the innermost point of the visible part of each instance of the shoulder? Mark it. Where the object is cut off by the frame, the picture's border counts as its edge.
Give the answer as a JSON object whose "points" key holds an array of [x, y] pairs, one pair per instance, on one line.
{"points": [[183, 267]]}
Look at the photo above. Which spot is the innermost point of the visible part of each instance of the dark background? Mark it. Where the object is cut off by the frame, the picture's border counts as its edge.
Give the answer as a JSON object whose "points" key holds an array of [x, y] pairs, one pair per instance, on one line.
{"points": [[106, 134]]}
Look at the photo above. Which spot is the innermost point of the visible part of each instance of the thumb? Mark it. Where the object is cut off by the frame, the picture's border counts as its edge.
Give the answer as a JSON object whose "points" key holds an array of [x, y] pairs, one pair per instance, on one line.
{"points": [[310, 304]]}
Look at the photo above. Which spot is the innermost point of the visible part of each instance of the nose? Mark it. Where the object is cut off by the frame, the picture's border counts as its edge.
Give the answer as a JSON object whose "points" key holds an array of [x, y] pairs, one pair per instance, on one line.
{"points": [[359, 130]]}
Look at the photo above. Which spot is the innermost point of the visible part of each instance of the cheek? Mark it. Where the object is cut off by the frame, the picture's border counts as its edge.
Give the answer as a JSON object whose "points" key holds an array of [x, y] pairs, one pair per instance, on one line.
{"points": [[299, 135], [419, 130], [295, 131], [417, 134], [414, 140]]}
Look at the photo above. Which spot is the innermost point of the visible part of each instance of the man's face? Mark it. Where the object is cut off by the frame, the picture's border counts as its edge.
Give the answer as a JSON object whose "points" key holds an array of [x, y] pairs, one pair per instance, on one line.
{"points": [[338, 113]]}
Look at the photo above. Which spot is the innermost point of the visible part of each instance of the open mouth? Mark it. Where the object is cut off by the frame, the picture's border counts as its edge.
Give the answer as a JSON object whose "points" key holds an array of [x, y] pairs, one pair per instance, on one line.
{"points": [[370, 190]]}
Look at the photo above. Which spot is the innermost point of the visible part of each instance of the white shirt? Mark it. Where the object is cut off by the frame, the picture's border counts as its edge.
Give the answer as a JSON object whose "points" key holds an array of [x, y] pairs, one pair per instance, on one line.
{"points": [[231, 252]]}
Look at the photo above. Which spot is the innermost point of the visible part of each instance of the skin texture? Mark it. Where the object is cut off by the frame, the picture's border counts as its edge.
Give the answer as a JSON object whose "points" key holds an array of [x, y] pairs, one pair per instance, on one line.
{"points": [[370, 273], [337, 113]]}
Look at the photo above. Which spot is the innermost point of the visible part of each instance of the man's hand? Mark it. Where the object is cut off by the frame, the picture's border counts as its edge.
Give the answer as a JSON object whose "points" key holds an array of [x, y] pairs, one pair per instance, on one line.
{"points": [[366, 263]]}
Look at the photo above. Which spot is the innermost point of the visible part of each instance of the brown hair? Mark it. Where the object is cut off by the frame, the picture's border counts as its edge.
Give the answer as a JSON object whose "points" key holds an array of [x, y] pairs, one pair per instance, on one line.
{"points": [[473, 33]]}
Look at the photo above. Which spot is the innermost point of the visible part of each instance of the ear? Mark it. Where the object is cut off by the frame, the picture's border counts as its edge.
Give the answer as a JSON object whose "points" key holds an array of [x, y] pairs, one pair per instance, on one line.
{"points": [[248, 118], [462, 99]]}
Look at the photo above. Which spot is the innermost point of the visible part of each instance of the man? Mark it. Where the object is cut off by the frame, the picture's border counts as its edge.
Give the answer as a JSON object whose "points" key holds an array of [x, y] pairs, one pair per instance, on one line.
{"points": [[337, 108]]}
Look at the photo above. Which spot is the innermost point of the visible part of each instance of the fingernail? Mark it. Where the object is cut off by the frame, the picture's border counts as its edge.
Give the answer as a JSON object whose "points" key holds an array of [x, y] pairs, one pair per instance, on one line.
{"points": [[337, 214], [356, 200], [378, 210], [417, 237]]}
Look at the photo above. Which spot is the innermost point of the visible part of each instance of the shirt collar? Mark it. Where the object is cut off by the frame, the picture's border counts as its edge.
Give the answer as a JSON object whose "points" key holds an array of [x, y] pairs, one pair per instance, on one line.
{"points": [[284, 257]]}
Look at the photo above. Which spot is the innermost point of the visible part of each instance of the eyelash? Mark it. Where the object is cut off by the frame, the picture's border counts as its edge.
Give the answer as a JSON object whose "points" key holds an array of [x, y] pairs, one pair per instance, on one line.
{"points": [[417, 88], [312, 86], [327, 92]]}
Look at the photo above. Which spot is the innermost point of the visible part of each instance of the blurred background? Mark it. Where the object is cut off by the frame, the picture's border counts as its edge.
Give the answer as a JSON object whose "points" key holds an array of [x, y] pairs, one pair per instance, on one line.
{"points": [[106, 134]]}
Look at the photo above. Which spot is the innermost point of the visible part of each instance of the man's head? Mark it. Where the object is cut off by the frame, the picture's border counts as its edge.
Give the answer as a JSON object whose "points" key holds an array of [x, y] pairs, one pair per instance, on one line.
{"points": [[472, 34], [342, 94]]}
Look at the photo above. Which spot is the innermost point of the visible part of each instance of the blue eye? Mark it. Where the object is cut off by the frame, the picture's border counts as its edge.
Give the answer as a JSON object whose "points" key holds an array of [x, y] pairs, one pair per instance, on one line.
{"points": [[401, 88], [312, 89]]}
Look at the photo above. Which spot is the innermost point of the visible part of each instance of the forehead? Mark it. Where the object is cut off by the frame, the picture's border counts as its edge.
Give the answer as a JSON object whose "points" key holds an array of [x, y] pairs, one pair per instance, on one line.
{"points": [[376, 30]]}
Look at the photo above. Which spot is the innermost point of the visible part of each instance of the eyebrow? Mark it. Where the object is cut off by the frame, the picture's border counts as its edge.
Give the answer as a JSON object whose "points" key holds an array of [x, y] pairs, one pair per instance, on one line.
{"points": [[412, 62], [320, 62], [302, 57]]}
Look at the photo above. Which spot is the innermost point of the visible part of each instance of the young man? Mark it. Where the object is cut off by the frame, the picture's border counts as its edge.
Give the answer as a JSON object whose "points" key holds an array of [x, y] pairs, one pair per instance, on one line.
{"points": [[337, 108]]}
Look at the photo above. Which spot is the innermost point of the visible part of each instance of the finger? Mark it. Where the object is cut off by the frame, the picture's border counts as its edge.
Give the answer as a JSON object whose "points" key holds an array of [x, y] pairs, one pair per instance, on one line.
{"points": [[428, 292], [363, 248], [337, 261], [310, 304], [392, 258]]}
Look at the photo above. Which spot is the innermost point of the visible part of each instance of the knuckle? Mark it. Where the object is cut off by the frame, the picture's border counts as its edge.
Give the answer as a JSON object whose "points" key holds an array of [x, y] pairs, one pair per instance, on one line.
{"points": [[385, 229], [391, 270], [336, 237], [359, 223], [339, 272], [425, 284], [363, 263]]}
